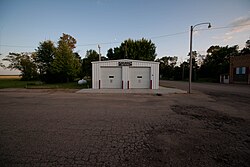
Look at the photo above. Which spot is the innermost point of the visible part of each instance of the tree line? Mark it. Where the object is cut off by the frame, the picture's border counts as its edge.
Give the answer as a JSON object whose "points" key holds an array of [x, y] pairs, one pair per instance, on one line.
{"points": [[207, 67], [59, 63], [51, 64]]}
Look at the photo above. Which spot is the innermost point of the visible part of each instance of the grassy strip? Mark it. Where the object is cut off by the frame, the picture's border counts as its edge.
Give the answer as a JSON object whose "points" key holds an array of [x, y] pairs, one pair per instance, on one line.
{"points": [[12, 83], [17, 83]]}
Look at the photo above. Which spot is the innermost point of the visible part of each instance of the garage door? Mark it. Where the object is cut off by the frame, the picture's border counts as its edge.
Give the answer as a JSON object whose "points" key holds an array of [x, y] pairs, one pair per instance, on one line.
{"points": [[111, 77], [139, 77]]}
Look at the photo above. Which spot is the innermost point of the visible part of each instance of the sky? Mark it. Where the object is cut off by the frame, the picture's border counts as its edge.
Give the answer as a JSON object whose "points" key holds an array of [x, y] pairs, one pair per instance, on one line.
{"points": [[26, 23]]}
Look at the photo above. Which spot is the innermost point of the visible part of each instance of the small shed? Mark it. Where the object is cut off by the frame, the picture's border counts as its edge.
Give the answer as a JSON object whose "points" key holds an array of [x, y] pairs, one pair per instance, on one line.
{"points": [[224, 78], [125, 74]]}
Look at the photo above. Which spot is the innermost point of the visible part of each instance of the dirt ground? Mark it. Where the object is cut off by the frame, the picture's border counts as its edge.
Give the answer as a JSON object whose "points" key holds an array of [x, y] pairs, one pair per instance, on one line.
{"points": [[62, 128], [201, 133]]}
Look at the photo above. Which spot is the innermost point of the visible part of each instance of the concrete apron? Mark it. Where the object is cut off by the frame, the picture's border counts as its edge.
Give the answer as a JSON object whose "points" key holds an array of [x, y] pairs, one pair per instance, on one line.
{"points": [[161, 90]]}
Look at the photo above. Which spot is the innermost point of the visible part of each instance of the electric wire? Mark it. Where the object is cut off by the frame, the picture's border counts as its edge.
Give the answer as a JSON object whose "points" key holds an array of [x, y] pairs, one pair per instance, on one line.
{"points": [[152, 37]]}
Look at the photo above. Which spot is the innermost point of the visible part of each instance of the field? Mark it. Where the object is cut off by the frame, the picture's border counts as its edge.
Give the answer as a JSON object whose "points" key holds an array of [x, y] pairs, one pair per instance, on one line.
{"points": [[13, 81], [10, 77]]}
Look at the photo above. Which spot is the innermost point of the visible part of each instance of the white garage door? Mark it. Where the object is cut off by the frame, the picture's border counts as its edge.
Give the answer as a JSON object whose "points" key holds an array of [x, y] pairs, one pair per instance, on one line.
{"points": [[111, 77], [139, 77]]}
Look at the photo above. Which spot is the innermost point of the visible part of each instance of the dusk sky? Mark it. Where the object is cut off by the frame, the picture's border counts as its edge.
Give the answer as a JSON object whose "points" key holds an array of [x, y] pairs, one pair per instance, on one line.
{"points": [[25, 23]]}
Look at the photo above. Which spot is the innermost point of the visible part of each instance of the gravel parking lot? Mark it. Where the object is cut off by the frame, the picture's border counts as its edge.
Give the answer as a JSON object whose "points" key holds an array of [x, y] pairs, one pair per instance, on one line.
{"points": [[63, 128]]}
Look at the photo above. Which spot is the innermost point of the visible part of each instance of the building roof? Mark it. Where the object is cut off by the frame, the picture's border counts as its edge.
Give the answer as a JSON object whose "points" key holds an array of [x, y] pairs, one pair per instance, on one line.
{"points": [[125, 60]]}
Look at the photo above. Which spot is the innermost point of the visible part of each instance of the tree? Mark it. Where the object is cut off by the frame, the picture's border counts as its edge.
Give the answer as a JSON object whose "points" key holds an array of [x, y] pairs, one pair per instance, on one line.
{"points": [[246, 49], [167, 66], [110, 54], [134, 49], [45, 54], [68, 40], [91, 55], [185, 70], [195, 66], [217, 61], [23, 62], [66, 65], [248, 43]]}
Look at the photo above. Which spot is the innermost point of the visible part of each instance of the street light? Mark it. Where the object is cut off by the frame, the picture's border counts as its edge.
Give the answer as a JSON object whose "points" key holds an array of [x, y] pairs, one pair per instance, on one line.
{"points": [[190, 60]]}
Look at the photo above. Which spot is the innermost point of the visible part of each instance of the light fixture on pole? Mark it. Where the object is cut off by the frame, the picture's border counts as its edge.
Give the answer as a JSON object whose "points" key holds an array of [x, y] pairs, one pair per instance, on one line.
{"points": [[190, 53]]}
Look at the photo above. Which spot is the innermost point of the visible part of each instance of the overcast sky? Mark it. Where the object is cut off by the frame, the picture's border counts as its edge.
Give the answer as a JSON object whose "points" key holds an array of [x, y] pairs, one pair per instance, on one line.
{"points": [[25, 23]]}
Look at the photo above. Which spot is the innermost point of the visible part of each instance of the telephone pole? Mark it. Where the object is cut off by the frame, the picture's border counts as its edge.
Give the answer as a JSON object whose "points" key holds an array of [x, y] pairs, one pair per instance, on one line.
{"points": [[190, 53], [126, 53], [99, 52]]}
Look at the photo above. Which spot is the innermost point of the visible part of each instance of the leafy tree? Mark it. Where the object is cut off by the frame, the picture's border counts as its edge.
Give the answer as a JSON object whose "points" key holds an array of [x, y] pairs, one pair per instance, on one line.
{"points": [[45, 54], [248, 43], [77, 55], [184, 70], [110, 54], [68, 40], [91, 55], [246, 49], [217, 61], [66, 65], [134, 49], [23, 62], [177, 73], [195, 66], [167, 66]]}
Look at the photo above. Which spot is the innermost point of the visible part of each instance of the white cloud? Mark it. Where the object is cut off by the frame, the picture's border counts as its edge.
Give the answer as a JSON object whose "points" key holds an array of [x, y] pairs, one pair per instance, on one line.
{"points": [[196, 33], [239, 25], [225, 37]]}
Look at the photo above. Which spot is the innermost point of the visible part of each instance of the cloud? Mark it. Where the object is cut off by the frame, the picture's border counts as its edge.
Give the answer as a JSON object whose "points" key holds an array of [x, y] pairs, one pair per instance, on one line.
{"points": [[238, 25], [225, 37]]}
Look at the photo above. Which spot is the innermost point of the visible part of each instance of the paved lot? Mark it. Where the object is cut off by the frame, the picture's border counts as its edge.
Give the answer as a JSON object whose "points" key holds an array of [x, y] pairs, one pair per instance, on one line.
{"points": [[64, 128], [161, 90]]}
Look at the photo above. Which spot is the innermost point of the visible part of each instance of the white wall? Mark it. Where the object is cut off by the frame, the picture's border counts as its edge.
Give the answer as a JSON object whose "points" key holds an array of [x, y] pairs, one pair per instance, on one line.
{"points": [[154, 68]]}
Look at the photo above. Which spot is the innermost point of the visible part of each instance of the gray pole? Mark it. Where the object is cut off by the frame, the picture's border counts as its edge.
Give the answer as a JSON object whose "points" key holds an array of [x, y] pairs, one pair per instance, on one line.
{"points": [[190, 60], [99, 52], [183, 71], [126, 53], [190, 63]]}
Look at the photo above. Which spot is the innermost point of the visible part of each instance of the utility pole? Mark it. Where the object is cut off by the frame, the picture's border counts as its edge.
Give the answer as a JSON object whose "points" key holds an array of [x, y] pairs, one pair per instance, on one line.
{"points": [[99, 52], [190, 60], [183, 71], [126, 53], [191, 56]]}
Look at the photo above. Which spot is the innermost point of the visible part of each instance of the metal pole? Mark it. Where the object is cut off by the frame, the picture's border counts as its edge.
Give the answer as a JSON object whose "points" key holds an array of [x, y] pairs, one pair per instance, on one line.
{"points": [[183, 71], [126, 53], [191, 56], [99, 52], [190, 61]]}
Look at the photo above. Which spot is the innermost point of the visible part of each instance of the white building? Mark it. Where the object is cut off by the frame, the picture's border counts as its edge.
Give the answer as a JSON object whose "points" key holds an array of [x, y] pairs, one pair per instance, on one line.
{"points": [[125, 74]]}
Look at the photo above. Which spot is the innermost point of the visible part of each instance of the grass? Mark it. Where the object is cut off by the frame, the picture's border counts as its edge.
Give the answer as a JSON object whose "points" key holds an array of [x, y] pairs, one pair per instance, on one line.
{"points": [[12, 83], [17, 83]]}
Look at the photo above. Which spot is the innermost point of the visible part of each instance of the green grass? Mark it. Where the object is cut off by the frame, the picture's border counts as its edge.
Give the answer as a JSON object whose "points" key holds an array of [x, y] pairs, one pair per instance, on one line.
{"points": [[17, 83], [12, 83]]}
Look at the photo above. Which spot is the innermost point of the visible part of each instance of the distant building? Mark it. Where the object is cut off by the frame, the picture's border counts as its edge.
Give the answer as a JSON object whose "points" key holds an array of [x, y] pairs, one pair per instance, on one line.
{"points": [[239, 69]]}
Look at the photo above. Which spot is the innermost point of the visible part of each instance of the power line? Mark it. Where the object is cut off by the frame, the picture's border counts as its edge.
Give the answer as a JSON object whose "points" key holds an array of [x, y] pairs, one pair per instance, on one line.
{"points": [[223, 27], [103, 43], [152, 37], [100, 43], [230, 26], [19, 46], [168, 35]]}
